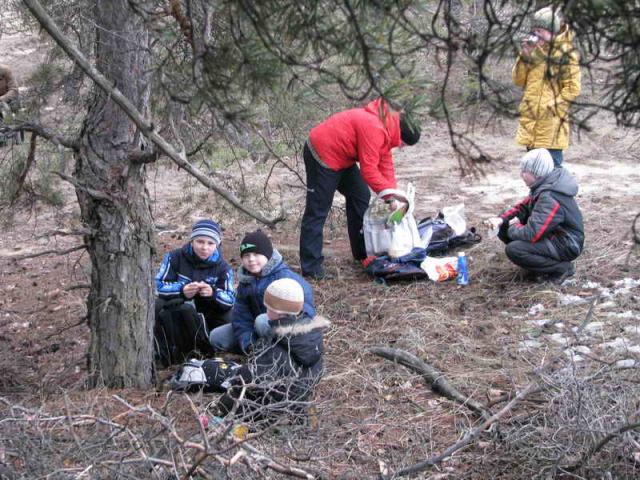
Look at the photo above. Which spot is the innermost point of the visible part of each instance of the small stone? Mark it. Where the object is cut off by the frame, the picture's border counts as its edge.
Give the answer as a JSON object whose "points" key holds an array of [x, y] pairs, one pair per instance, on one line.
{"points": [[632, 329], [627, 363], [594, 327], [627, 314], [543, 322], [571, 300], [573, 355], [537, 308], [528, 344], [618, 344], [608, 304], [558, 338]]}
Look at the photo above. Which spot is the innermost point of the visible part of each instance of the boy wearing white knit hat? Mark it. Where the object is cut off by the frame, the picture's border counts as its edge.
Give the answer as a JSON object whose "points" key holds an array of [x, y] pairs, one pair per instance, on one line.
{"points": [[544, 232], [287, 361]]}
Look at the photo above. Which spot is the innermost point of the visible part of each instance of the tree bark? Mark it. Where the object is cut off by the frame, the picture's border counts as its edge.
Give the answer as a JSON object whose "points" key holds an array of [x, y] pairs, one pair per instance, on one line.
{"points": [[114, 204]]}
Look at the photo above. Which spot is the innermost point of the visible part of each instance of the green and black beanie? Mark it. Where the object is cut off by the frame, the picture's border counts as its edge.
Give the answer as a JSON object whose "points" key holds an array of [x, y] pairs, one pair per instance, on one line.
{"points": [[256, 242]]}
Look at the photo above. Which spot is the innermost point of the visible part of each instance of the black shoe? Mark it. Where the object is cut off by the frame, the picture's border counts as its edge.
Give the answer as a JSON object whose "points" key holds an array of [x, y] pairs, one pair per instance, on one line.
{"points": [[559, 278], [319, 275]]}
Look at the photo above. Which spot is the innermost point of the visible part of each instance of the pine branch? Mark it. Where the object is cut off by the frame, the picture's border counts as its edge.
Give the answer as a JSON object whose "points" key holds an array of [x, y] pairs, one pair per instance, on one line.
{"points": [[146, 128]]}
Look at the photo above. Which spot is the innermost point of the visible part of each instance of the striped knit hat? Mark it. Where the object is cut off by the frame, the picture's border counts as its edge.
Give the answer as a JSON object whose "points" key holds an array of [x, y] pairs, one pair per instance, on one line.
{"points": [[538, 162], [284, 296], [207, 228]]}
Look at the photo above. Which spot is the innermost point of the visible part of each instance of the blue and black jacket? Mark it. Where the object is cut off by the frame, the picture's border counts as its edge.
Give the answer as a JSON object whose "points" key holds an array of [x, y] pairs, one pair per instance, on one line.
{"points": [[250, 296], [182, 266]]}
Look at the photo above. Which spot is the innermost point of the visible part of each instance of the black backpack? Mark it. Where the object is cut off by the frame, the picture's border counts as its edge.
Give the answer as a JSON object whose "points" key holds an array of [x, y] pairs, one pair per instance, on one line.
{"points": [[443, 238], [180, 333]]}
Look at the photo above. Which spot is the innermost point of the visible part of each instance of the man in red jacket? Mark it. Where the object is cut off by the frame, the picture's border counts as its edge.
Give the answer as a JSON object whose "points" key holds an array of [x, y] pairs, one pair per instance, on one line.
{"points": [[359, 135]]}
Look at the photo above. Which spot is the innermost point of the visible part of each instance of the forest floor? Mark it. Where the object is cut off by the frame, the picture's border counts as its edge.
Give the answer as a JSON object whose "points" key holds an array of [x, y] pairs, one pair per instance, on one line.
{"points": [[486, 338]]}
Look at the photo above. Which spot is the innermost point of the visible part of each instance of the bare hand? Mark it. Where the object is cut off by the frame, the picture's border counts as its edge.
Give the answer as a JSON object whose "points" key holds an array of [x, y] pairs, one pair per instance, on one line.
{"points": [[191, 289], [395, 204], [493, 223], [205, 290]]}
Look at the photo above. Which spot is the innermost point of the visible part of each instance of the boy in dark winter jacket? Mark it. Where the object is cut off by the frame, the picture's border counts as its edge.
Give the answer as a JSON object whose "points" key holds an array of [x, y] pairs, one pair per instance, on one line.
{"points": [[195, 279], [544, 232], [286, 364], [261, 265]]}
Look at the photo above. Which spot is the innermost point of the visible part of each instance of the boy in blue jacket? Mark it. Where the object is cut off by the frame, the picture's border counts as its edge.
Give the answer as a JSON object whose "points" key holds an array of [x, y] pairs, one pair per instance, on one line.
{"points": [[194, 280], [261, 265]]}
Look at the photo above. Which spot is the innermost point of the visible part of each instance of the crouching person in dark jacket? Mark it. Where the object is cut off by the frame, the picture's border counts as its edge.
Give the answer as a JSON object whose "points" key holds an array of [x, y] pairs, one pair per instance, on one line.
{"points": [[544, 232], [283, 368]]}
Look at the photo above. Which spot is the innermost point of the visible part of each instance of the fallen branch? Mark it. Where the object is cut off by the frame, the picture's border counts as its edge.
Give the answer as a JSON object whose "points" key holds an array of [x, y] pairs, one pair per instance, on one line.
{"points": [[469, 437], [434, 378]]}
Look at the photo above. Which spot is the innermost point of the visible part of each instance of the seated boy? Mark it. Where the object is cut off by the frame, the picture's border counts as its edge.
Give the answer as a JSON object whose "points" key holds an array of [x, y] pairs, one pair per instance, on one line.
{"points": [[196, 282], [544, 232], [284, 365], [261, 265]]}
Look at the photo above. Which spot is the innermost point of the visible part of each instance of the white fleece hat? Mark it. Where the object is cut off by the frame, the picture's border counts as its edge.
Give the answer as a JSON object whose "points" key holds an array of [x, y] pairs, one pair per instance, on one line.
{"points": [[538, 162]]}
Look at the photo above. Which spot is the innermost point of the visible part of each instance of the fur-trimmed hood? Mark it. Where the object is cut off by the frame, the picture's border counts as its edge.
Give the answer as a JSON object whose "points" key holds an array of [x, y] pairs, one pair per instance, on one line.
{"points": [[291, 325]]}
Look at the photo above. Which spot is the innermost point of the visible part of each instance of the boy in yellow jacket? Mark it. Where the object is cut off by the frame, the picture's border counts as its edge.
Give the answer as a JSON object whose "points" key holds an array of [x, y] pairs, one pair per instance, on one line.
{"points": [[548, 71]]}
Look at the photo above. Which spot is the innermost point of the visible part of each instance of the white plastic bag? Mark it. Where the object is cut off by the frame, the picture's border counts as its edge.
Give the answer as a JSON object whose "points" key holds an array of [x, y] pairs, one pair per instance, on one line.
{"points": [[384, 237], [440, 269], [454, 216]]}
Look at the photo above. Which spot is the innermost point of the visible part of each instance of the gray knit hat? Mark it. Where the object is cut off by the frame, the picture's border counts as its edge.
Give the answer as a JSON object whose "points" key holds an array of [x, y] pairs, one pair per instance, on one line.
{"points": [[538, 162], [547, 18]]}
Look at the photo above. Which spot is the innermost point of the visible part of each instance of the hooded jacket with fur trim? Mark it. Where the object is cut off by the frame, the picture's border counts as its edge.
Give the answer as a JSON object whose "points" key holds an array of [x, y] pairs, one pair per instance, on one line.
{"points": [[365, 135], [281, 370]]}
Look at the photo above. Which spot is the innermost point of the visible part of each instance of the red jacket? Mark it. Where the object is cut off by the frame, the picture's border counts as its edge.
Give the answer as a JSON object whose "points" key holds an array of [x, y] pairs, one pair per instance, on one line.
{"points": [[363, 135]]}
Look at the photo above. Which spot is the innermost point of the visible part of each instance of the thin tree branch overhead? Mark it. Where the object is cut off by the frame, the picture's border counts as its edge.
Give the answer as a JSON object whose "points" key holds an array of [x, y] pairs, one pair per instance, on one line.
{"points": [[147, 129]]}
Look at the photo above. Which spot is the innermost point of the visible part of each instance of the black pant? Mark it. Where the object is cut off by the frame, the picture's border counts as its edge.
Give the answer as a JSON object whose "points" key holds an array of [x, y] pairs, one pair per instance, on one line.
{"points": [[536, 257], [322, 184], [213, 315]]}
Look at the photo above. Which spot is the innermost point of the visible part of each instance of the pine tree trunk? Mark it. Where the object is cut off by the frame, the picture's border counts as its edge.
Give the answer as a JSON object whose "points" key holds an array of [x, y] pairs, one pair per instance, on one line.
{"points": [[114, 204]]}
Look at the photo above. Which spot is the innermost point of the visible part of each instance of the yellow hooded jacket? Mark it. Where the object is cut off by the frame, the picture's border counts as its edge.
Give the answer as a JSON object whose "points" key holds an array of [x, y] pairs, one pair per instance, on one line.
{"points": [[550, 77]]}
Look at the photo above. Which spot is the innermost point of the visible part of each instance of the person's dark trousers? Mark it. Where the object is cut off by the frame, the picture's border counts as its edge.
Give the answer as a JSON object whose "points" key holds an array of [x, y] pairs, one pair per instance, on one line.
{"points": [[536, 257], [214, 315], [322, 184]]}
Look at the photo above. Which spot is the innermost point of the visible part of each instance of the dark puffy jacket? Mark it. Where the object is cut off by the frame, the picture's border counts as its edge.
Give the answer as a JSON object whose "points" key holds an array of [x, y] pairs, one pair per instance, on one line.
{"points": [[182, 266], [282, 370], [249, 302], [549, 214]]}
